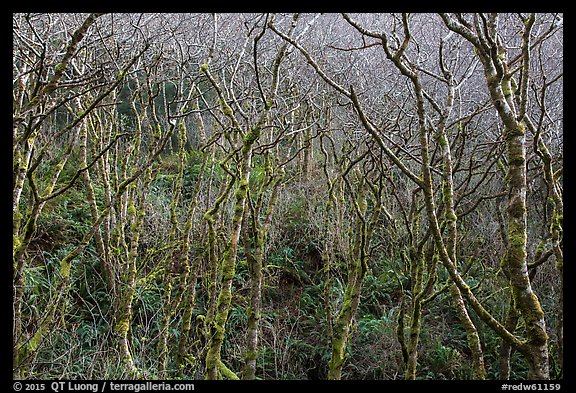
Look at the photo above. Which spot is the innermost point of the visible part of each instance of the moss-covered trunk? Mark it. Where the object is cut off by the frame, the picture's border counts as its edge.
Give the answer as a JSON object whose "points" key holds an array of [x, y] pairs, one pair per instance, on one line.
{"points": [[472, 336], [25, 347], [450, 217], [228, 261], [357, 267], [135, 214], [555, 229], [505, 351], [189, 296], [216, 328], [255, 262], [253, 251], [414, 258], [515, 260], [228, 268], [341, 329], [492, 52], [175, 268], [413, 339]]}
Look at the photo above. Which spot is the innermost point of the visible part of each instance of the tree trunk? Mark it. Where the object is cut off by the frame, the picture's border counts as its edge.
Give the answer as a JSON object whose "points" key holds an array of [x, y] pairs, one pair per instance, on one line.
{"points": [[525, 299]]}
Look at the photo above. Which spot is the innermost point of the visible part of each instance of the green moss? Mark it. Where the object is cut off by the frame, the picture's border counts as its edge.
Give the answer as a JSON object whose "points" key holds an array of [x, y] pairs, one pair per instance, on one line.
{"points": [[339, 340], [510, 134], [60, 67], [521, 128], [17, 215], [122, 326], [445, 189], [226, 108], [557, 220], [134, 226], [514, 86], [65, 266], [560, 264], [338, 348], [250, 355], [260, 240], [516, 160], [441, 139], [211, 364], [226, 372], [338, 355], [204, 67], [227, 273], [16, 242], [506, 89], [451, 216], [208, 216], [242, 189], [540, 247], [252, 136], [516, 235], [33, 344], [131, 210], [532, 313]]}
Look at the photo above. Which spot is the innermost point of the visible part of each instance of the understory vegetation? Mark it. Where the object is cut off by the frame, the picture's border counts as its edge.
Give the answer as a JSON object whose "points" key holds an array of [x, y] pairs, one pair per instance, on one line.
{"points": [[262, 196]]}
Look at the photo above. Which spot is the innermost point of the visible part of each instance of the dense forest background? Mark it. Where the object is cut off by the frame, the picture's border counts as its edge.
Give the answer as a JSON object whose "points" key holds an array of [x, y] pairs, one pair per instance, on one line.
{"points": [[287, 196]]}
